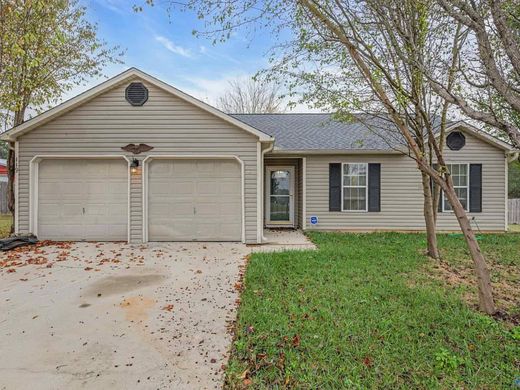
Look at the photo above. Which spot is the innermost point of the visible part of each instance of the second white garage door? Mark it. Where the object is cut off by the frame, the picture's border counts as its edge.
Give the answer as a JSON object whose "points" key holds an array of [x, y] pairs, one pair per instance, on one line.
{"points": [[194, 200]]}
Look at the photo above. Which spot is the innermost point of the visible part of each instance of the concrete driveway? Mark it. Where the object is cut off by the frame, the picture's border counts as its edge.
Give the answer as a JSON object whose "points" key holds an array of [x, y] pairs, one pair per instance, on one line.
{"points": [[118, 316]]}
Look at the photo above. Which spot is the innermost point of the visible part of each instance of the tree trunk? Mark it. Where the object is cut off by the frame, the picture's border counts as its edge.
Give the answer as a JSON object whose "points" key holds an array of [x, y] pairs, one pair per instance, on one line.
{"points": [[429, 218], [10, 183], [485, 291], [11, 169]]}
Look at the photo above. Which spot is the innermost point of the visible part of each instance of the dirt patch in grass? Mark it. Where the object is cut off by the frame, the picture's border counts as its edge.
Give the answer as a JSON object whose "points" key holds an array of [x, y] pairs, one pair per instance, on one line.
{"points": [[506, 289]]}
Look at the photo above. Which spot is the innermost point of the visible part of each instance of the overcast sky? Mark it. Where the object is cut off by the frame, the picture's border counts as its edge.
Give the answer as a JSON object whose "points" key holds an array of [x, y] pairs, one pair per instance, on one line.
{"points": [[166, 48]]}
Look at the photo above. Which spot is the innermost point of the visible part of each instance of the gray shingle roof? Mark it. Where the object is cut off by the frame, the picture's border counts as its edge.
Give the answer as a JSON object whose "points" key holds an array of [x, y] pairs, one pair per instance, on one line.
{"points": [[322, 132]]}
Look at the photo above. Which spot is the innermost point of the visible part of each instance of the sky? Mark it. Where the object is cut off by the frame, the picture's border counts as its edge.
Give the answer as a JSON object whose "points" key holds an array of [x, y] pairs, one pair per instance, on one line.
{"points": [[163, 45]]}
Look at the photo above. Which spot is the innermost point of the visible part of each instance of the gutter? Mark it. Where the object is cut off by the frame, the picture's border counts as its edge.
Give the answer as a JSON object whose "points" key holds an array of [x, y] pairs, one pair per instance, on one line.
{"points": [[335, 151]]}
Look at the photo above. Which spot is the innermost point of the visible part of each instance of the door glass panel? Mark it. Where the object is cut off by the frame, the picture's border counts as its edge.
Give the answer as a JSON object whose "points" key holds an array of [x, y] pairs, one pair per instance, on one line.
{"points": [[280, 208], [280, 195], [280, 183]]}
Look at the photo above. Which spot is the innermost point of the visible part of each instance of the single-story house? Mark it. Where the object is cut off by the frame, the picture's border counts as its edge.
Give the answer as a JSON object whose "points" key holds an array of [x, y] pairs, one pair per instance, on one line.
{"points": [[138, 160]]}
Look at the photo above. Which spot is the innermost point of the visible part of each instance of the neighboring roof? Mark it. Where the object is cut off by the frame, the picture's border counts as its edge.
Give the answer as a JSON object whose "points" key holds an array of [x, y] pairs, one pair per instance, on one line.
{"points": [[129, 74], [308, 132]]}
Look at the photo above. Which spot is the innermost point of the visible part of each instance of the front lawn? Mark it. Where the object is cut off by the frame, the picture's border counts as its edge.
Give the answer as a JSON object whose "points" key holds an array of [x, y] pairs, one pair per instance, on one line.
{"points": [[5, 225], [370, 311]]}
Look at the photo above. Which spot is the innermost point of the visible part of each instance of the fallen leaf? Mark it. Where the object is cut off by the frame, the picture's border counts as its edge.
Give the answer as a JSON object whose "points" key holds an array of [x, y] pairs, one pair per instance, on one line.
{"points": [[296, 341], [168, 307], [368, 362]]}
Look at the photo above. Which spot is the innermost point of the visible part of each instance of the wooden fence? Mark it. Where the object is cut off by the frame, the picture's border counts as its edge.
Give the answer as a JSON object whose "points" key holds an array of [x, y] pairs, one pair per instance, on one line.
{"points": [[514, 211], [3, 198]]}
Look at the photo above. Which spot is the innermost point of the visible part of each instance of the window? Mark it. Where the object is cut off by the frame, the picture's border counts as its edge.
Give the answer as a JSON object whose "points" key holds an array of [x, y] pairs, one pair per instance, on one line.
{"points": [[460, 177], [354, 188]]}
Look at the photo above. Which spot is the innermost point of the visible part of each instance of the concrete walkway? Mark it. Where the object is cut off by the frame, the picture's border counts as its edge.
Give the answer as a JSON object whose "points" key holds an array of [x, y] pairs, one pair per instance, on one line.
{"points": [[284, 239]]}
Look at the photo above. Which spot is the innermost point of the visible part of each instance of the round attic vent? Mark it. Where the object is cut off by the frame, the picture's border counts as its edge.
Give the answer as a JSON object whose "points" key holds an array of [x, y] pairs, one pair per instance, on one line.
{"points": [[455, 140], [136, 94]]}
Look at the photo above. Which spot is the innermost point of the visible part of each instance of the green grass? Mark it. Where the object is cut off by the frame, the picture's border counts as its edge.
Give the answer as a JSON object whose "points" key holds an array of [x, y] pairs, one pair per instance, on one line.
{"points": [[5, 225], [363, 311]]}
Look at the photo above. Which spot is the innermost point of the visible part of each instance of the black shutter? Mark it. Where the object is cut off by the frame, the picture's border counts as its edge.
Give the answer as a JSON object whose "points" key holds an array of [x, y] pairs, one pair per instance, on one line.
{"points": [[335, 187], [475, 188], [434, 188], [374, 187]]}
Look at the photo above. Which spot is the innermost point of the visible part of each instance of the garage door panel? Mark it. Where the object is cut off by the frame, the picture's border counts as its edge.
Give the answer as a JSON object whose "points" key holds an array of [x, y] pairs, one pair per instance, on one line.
{"points": [[182, 187], [207, 187], [178, 210], [194, 200], [226, 188], [165, 227], [207, 209], [83, 199]]}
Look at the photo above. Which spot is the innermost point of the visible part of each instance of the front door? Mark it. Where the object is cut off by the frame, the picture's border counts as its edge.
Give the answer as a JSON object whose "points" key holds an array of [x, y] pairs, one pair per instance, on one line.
{"points": [[280, 196]]}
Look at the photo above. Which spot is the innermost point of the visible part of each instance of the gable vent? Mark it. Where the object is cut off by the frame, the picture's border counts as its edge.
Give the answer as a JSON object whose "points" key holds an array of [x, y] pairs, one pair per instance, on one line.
{"points": [[136, 94], [455, 140]]}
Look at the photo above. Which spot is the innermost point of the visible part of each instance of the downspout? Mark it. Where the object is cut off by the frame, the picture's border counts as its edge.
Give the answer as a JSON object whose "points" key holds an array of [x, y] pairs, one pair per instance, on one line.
{"points": [[510, 157], [269, 149]]}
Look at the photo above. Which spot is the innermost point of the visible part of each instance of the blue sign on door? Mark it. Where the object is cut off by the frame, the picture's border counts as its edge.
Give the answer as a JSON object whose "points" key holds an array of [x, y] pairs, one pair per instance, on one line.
{"points": [[314, 220]]}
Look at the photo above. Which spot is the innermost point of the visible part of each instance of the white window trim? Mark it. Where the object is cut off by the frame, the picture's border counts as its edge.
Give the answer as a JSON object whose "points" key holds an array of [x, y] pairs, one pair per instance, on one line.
{"points": [[343, 187], [467, 188]]}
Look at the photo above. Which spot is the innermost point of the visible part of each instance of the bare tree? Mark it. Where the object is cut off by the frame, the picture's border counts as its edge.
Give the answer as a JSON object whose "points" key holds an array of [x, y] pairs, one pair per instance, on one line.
{"points": [[251, 97], [489, 85]]}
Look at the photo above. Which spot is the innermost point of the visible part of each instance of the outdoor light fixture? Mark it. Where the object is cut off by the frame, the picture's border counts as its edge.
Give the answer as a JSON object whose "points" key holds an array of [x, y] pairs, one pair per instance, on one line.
{"points": [[134, 165]]}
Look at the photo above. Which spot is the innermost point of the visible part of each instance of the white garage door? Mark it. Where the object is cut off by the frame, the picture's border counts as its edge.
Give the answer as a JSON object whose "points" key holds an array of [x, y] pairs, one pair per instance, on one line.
{"points": [[83, 199], [194, 200]]}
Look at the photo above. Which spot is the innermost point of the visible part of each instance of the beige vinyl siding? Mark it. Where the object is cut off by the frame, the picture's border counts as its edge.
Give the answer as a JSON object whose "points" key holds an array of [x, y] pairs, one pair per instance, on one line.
{"points": [[401, 193], [169, 124], [494, 163]]}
